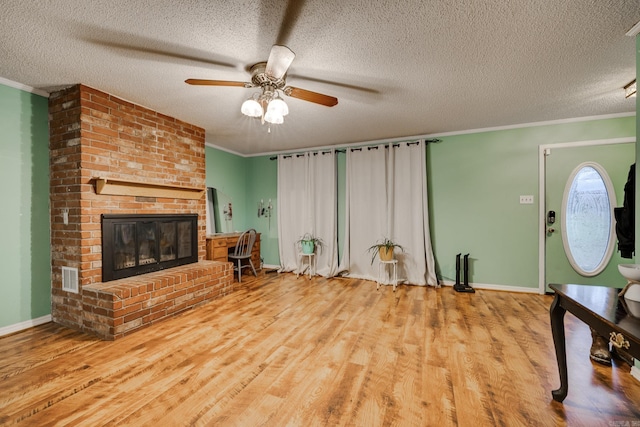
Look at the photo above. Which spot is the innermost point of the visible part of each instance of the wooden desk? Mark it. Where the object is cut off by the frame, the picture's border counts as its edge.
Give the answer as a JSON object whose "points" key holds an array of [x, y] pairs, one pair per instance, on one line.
{"points": [[600, 308], [218, 246]]}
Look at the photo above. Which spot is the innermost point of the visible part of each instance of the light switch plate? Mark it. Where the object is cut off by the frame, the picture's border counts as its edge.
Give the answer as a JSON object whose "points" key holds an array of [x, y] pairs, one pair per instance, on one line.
{"points": [[526, 200]]}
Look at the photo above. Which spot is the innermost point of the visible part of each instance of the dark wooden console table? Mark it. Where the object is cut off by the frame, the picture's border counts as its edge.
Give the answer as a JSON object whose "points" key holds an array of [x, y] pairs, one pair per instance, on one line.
{"points": [[602, 309]]}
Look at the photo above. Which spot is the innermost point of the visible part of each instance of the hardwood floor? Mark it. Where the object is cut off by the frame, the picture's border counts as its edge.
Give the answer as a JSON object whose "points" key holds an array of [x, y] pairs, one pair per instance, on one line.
{"points": [[299, 352]]}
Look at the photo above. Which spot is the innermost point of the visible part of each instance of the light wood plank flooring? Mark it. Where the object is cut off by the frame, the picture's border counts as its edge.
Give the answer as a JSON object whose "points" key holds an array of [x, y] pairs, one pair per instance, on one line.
{"points": [[283, 351]]}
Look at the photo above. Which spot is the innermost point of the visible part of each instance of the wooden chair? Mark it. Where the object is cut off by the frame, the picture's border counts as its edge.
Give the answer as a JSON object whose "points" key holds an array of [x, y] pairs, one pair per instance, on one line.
{"points": [[242, 252]]}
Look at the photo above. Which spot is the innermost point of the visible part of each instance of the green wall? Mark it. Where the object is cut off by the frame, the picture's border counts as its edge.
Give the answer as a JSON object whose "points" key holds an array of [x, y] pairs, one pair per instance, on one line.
{"points": [[263, 178], [25, 257], [228, 173], [475, 181], [248, 181]]}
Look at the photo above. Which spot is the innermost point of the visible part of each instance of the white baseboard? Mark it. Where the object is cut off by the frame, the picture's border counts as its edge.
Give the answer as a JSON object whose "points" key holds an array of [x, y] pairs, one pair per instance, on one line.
{"points": [[495, 287], [635, 372], [6, 330]]}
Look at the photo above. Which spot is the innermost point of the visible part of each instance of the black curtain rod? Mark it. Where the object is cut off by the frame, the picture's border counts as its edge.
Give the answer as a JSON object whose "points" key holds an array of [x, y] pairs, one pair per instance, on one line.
{"points": [[397, 144], [371, 147], [286, 156]]}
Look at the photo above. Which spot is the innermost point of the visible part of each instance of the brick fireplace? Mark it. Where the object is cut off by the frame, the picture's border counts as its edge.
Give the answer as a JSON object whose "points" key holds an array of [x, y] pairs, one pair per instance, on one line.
{"points": [[109, 156]]}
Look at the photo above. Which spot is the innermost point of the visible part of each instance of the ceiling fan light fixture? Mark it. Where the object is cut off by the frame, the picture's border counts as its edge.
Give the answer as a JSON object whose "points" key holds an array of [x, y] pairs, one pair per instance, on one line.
{"points": [[278, 106], [251, 108], [273, 117], [630, 90]]}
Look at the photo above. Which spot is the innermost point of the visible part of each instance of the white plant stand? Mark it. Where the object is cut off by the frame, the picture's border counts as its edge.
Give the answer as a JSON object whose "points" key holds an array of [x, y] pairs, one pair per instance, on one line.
{"points": [[382, 271], [311, 263]]}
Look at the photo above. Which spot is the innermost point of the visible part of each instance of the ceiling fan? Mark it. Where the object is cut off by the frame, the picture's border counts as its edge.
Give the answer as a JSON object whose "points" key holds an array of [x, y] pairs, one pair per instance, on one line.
{"points": [[271, 77]]}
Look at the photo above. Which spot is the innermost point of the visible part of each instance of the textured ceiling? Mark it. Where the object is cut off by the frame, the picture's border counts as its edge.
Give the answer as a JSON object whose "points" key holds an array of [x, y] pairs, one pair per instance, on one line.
{"points": [[398, 67]]}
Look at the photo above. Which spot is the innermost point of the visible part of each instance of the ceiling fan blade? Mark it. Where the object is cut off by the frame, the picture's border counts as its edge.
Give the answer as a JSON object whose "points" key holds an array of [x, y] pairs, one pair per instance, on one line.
{"points": [[148, 48], [333, 82], [291, 14], [279, 61], [307, 95], [202, 82]]}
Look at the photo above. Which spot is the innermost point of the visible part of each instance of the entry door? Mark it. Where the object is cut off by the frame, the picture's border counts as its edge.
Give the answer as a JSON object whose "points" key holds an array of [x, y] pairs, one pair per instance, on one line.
{"points": [[560, 163]]}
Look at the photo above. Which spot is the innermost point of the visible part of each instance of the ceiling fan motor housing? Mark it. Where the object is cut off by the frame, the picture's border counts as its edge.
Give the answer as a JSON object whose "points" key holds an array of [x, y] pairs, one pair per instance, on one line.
{"points": [[260, 78]]}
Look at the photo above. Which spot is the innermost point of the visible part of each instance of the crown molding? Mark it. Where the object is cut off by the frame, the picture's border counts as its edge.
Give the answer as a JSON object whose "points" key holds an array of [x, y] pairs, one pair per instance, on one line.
{"points": [[23, 87], [437, 135], [634, 30]]}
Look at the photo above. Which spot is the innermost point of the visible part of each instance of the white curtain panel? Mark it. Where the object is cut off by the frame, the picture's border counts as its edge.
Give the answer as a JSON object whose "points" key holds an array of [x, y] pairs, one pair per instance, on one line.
{"points": [[292, 207], [307, 199], [323, 200], [408, 212], [387, 197], [366, 205]]}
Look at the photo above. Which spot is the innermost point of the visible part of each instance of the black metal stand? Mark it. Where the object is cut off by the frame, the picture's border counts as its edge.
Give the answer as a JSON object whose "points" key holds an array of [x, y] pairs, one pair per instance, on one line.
{"points": [[463, 287]]}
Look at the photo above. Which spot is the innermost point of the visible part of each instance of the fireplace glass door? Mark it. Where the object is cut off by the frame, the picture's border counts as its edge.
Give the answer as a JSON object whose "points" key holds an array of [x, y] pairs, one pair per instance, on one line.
{"points": [[138, 244]]}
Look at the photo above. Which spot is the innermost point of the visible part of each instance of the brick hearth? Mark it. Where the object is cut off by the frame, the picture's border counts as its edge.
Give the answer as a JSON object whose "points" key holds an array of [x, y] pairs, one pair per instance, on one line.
{"points": [[96, 135], [114, 309]]}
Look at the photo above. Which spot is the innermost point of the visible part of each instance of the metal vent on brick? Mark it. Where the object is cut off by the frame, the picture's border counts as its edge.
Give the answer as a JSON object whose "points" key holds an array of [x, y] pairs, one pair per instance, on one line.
{"points": [[70, 279]]}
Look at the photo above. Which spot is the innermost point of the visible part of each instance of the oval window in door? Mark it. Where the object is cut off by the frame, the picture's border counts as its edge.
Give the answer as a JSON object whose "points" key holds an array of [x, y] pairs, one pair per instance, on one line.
{"points": [[587, 219]]}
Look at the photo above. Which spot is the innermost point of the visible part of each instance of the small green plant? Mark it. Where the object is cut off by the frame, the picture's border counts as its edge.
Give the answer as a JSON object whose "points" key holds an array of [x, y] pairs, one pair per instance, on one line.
{"points": [[385, 245], [310, 241]]}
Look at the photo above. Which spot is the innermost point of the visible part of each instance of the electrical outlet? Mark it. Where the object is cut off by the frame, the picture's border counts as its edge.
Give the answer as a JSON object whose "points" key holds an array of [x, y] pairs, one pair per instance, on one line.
{"points": [[526, 200]]}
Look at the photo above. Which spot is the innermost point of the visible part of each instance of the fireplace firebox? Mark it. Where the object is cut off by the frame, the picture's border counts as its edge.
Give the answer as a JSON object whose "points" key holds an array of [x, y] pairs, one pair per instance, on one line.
{"points": [[139, 244]]}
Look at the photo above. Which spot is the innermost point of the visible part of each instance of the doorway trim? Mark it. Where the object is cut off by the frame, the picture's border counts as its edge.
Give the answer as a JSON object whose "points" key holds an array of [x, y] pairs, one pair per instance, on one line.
{"points": [[543, 151]]}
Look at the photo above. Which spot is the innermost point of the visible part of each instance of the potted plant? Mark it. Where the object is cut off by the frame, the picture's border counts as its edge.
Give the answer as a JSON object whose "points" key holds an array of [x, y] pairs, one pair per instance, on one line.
{"points": [[384, 248], [309, 242]]}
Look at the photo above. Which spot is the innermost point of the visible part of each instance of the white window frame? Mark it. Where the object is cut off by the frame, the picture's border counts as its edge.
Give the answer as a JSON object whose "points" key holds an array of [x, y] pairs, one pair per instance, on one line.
{"points": [[612, 203]]}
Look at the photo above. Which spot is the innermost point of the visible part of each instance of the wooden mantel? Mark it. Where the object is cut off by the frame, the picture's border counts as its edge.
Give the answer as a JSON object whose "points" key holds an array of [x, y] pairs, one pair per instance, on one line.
{"points": [[121, 187]]}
